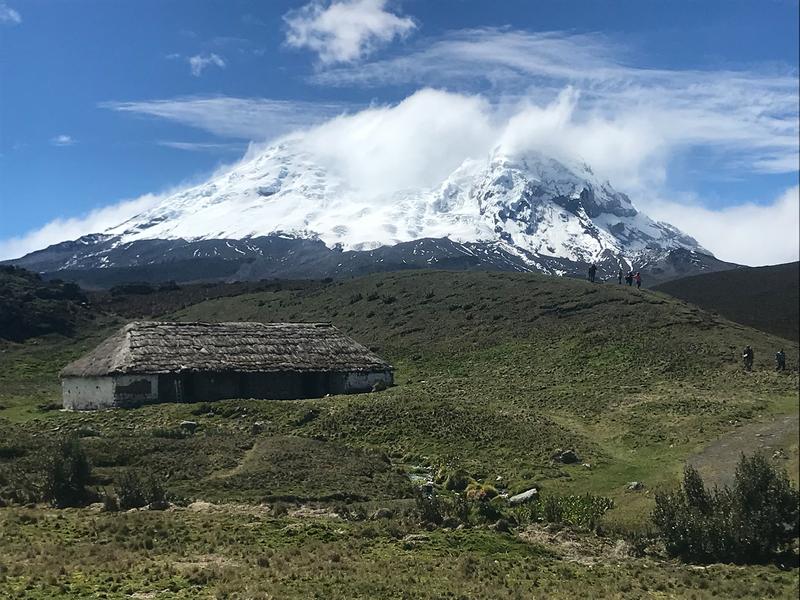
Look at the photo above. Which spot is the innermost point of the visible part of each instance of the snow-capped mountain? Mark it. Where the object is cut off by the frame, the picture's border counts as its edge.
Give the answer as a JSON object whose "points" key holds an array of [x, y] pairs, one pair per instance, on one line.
{"points": [[526, 212]]}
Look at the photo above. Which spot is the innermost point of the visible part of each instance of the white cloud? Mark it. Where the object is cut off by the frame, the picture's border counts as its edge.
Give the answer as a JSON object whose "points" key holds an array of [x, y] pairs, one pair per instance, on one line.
{"points": [[749, 234], [62, 140], [200, 62], [72, 228], [9, 16], [415, 143], [241, 118], [344, 31], [421, 140]]}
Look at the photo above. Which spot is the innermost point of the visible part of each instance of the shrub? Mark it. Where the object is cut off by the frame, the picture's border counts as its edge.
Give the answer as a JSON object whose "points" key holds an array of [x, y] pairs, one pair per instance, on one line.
{"points": [[135, 491], [457, 481], [575, 510], [110, 502], [67, 475], [174, 433], [429, 508], [749, 523], [130, 491], [480, 491]]}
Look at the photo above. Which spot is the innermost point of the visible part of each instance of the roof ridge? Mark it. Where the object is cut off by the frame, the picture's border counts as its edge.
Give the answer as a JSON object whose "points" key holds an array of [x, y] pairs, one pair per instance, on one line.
{"points": [[134, 324], [244, 346]]}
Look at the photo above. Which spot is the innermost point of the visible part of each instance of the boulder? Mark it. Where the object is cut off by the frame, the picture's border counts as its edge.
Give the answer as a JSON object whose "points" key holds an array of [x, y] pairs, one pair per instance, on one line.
{"points": [[379, 386], [450, 523], [502, 526], [190, 426], [568, 457], [634, 486], [526, 496], [382, 513]]}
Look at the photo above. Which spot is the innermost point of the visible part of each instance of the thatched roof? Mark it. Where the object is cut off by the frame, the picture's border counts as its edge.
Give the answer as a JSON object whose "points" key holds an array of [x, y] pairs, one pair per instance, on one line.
{"points": [[160, 347]]}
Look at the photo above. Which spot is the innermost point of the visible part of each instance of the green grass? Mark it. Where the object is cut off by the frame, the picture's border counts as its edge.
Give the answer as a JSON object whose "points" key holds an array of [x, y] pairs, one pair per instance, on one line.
{"points": [[495, 372], [236, 552]]}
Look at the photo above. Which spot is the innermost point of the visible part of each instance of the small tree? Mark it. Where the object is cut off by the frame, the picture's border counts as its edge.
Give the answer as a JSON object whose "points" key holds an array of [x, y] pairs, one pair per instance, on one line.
{"points": [[67, 475], [751, 522]]}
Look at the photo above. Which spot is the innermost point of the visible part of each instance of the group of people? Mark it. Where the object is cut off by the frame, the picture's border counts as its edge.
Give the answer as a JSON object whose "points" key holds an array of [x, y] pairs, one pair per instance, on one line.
{"points": [[748, 356], [630, 278]]}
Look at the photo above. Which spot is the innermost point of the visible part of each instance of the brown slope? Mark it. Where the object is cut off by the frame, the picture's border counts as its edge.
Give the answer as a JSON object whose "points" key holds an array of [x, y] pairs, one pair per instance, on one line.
{"points": [[762, 297]]}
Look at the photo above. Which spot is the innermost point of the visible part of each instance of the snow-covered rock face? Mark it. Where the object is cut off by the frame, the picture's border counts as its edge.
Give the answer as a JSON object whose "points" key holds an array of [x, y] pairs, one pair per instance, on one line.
{"points": [[531, 205]]}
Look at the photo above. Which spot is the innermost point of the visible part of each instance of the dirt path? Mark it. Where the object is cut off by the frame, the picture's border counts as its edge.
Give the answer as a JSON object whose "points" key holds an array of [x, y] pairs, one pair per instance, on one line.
{"points": [[776, 437]]}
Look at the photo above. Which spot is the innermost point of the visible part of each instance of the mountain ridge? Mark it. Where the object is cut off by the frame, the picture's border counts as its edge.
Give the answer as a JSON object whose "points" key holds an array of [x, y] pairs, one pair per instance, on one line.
{"points": [[525, 212]]}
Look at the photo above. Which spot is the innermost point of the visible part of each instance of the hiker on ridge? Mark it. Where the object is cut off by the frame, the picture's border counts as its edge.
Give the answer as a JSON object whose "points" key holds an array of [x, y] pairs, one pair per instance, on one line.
{"points": [[638, 278], [629, 278], [619, 277], [780, 360], [592, 272], [747, 357]]}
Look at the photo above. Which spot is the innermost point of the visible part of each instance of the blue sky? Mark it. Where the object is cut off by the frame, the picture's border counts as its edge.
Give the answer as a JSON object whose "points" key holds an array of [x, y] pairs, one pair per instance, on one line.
{"points": [[103, 102]]}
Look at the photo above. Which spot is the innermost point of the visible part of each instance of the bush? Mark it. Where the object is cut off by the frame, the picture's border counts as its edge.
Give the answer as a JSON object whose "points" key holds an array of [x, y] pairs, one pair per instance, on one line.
{"points": [[479, 492], [67, 475], [749, 523], [457, 481], [167, 433], [110, 502], [429, 508], [136, 491], [579, 511]]}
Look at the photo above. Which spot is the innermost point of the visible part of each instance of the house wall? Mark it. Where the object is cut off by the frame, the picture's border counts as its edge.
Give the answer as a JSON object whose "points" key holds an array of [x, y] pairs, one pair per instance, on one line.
{"points": [[87, 393], [364, 382], [92, 393], [135, 390]]}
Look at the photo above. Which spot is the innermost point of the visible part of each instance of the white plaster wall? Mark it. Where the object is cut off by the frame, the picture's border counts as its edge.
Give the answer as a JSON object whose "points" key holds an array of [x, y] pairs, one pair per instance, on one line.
{"points": [[363, 382], [87, 393]]}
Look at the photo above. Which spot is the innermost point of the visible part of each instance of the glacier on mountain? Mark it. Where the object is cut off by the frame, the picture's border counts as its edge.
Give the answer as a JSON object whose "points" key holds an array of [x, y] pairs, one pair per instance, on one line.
{"points": [[531, 205]]}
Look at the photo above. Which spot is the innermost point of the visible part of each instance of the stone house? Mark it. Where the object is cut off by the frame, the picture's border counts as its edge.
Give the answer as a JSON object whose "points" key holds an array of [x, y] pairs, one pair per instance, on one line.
{"points": [[149, 362]]}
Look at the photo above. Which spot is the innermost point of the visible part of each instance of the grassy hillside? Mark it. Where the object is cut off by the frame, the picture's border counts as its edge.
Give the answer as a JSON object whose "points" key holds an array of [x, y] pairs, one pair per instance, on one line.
{"points": [[495, 373], [30, 307], [763, 297]]}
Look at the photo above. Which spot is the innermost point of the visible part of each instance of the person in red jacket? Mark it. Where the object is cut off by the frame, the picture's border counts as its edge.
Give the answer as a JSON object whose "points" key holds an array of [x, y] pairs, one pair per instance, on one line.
{"points": [[638, 278]]}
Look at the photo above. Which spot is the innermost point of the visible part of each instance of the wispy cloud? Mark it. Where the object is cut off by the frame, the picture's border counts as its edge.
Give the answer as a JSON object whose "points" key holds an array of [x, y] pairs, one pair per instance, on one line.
{"points": [[242, 118], [344, 31], [9, 16], [203, 147], [62, 229], [749, 117], [62, 140], [200, 62]]}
